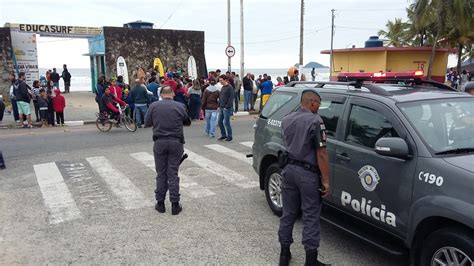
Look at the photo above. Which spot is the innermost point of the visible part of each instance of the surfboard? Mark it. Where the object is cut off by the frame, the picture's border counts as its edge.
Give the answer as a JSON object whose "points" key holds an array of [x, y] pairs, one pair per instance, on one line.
{"points": [[192, 69], [158, 66], [122, 69]]}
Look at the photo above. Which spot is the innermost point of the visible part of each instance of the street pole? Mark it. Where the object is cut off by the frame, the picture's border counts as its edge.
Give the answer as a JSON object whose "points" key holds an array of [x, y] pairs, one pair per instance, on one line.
{"points": [[331, 63], [242, 65], [301, 36], [228, 35]]}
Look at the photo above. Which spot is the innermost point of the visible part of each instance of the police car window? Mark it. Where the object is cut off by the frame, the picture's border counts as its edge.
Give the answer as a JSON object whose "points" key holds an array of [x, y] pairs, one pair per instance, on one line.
{"points": [[276, 102], [366, 126], [330, 111]]}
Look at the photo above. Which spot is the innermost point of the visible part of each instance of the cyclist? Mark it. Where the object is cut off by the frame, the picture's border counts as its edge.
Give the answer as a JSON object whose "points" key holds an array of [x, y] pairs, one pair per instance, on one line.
{"points": [[108, 104]]}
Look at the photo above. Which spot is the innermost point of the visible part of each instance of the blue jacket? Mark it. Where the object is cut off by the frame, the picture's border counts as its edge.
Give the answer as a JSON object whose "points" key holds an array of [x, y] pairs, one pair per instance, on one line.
{"points": [[267, 87]]}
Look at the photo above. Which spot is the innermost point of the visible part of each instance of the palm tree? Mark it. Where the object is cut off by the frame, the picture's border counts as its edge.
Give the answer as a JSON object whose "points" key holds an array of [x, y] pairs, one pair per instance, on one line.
{"points": [[452, 20], [396, 33], [428, 12]]}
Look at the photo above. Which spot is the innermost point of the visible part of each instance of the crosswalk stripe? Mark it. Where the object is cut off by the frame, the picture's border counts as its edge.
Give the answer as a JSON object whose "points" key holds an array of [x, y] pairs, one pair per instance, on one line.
{"points": [[56, 195], [247, 143], [192, 188], [130, 196], [220, 170], [230, 152]]}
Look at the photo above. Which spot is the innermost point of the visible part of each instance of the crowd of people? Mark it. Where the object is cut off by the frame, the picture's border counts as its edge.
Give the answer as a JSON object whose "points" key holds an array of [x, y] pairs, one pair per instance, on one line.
{"points": [[458, 80], [215, 98], [47, 102]]}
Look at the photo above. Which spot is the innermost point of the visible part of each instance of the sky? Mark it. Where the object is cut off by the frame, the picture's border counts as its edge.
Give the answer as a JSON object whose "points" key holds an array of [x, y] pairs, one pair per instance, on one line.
{"points": [[271, 27]]}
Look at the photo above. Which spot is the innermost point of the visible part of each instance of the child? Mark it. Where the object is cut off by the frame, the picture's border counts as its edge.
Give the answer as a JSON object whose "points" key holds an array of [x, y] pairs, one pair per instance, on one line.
{"points": [[43, 107], [127, 98], [50, 112], [59, 103]]}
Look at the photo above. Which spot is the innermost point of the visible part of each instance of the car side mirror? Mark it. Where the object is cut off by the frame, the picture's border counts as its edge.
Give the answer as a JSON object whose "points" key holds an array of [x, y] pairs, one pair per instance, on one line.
{"points": [[393, 147]]}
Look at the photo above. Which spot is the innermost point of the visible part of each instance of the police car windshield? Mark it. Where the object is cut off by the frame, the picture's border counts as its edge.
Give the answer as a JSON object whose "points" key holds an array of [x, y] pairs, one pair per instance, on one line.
{"points": [[445, 124]]}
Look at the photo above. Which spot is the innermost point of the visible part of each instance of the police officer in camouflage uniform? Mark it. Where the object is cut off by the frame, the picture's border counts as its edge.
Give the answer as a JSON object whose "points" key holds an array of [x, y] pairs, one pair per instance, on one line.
{"points": [[167, 118], [305, 176]]}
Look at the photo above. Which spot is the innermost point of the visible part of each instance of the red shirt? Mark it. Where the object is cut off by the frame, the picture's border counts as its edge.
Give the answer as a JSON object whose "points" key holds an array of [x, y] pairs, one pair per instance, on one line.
{"points": [[116, 91], [59, 103], [172, 84]]}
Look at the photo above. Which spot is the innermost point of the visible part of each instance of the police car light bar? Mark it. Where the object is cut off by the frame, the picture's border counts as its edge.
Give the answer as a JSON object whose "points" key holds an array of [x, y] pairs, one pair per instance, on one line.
{"points": [[379, 76]]}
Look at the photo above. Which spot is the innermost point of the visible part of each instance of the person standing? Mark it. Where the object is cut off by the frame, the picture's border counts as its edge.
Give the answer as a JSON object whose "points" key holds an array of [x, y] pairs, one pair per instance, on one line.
{"points": [[153, 88], [255, 88], [167, 118], [43, 107], [55, 78], [195, 92], [2, 109], [225, 108], [16, 115], [248, 86], [267, 89], [313, 74], [463, 79], [139, 96], [67, 79], [50, 113], [23, 98], [59, 103], [210, 104], [237, 86], [35, 90], [307, 168]]}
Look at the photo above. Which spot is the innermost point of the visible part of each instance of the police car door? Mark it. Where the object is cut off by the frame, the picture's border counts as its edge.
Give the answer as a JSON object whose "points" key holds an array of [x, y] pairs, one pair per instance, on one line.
{"points": [[373, 187]]}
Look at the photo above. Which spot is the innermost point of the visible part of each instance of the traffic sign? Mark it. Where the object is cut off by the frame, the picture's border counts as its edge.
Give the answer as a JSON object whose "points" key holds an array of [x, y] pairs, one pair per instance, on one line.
{"points": [[230, 51]]}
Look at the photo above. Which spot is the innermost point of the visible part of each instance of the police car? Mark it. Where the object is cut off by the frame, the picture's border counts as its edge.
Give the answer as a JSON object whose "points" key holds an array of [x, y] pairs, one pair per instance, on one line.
{"points": [[401, 156]]}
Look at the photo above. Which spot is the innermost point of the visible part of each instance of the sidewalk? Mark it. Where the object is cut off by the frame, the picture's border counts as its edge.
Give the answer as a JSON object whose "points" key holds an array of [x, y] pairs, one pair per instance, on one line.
{"points": [[80, 109]]}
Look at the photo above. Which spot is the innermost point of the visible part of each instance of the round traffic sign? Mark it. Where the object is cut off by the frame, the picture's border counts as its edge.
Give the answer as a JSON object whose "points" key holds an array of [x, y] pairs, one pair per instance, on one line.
{"points": [[230, 51]]}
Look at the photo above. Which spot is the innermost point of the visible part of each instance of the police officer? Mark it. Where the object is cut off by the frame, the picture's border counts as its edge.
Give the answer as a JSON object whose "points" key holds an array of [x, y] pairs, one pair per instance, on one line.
{"points": [[167, 118], [305, 176]]}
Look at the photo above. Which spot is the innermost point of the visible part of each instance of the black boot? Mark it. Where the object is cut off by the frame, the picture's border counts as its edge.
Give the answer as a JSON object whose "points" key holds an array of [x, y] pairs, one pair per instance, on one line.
{"points": [[285, 256], [160, 206], [312, 258], [176, 208]]}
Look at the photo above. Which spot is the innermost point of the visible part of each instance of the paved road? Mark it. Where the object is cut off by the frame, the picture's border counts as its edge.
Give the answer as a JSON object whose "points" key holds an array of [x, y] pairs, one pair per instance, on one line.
{"points": [[79, 196]]}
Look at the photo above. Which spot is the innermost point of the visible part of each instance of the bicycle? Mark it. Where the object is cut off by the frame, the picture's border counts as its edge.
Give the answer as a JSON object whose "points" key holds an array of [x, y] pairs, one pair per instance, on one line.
{"points": [[104, 123]]}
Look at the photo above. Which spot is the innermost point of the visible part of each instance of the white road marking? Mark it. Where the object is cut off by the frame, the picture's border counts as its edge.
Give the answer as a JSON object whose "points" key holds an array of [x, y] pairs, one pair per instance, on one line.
{"points": [[221, 171], [247, 143], [192, 188], [230, 152], [130, 196], [57, 197]]}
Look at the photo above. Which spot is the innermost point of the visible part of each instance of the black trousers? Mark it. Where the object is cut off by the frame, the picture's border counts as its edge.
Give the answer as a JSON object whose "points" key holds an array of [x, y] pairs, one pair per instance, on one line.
{"points": [[167, 153], [50, 117], [2, 161], [60, 118], [36, 105], [2, 110]]}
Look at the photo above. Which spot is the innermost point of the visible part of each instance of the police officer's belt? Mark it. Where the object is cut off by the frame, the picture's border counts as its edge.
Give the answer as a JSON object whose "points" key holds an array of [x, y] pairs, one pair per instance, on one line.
{"points": [[155, 138], [306, 166]]}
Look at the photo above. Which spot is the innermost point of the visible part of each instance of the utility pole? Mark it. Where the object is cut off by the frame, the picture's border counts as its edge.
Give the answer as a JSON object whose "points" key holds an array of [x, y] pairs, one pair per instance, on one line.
{"points": [[301, 35], [229, 68], [331, 62], [242, 65]]}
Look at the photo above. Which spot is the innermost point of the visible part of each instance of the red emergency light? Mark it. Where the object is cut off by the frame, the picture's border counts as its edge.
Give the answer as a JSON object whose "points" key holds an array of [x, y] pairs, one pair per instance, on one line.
{"points": [[379, 76]]}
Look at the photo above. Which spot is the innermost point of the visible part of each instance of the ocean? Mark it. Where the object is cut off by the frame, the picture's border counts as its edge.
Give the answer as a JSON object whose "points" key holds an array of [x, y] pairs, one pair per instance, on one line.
{"points": [[81, 77]]}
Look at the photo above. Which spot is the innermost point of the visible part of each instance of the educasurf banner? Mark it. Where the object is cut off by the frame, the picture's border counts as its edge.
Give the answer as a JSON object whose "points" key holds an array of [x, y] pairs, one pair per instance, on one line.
{"points": [[26, 54]]}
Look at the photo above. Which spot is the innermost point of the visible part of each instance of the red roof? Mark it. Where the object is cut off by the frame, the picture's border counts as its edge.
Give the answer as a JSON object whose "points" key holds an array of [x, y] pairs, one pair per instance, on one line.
{"points": [[396, 49]]}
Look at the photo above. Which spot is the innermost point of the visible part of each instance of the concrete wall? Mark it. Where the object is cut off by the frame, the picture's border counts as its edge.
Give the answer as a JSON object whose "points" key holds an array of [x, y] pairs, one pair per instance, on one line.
{"points": [[6, 62], [139, 47]]}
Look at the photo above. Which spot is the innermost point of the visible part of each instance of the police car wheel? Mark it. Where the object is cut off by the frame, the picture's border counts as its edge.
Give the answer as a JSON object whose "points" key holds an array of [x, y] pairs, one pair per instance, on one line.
{"points": [[273, 180], [448, 246]]}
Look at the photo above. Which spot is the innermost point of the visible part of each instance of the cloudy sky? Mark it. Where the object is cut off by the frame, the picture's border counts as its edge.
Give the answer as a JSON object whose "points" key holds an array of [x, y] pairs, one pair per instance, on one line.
{"points": [[271, 26]]}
